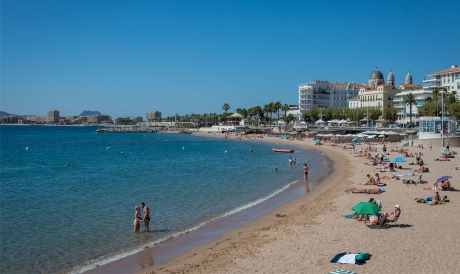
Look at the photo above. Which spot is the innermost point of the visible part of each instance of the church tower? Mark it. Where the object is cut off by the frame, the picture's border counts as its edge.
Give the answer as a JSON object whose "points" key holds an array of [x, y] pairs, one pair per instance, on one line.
{"points": [[391, 79], [408, 78], [376, 78]]}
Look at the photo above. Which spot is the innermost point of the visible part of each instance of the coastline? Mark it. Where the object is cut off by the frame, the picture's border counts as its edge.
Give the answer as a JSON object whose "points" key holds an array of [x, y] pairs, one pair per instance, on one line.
{"points": [[313, 231], [186, 248]]}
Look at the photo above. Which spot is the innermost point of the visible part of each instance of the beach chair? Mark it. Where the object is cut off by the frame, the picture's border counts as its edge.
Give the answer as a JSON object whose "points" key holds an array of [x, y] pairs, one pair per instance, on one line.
{"points": [[394, 222]]}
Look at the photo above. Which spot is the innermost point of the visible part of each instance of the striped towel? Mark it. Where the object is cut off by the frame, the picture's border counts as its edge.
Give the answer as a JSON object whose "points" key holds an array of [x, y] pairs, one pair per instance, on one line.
{"points": [[341, 271]]}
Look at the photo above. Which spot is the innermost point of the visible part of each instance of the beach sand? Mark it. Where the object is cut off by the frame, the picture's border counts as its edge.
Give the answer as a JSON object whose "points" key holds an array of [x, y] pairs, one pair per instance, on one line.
{"points": [[303, 235]]}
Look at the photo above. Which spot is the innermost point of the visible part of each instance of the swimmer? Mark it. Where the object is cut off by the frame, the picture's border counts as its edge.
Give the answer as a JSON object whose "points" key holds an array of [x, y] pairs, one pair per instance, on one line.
{"points": [[276, 170]]}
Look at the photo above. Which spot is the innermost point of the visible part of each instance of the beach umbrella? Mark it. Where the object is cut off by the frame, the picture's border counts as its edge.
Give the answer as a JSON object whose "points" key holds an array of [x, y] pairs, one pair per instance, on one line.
{"points": [[380, 155], [381, 135], [317, 141], [355, 140], [442, 178], [398, 160], [366, 208]]}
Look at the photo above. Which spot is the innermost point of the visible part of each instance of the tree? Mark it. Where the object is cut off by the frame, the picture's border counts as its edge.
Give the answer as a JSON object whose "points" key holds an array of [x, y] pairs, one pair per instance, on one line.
{"points": [[226, 107], [355, 114], [277, 107], [285, 108], [428, 99], [390, 114], [410, 100], [375, 113], [454, 110], [435, 96], [452, 97], [328, 114], [428, 109], [290, 117]]}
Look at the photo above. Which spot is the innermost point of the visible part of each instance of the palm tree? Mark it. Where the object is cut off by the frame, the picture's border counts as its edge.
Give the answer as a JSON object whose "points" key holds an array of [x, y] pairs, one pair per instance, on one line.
{"points": [[226, 107], [285, 108], [435, 97], [410, 100], [278, 106], [452, 97], [428, 99]]}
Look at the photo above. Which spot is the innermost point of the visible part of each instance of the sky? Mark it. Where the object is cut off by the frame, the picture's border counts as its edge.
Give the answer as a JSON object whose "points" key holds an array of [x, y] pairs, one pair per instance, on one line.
{"points": [[125, 58]]}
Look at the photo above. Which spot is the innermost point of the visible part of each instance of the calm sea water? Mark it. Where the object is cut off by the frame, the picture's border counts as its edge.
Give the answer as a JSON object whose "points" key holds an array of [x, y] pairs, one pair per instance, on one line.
{"points": [[58, 218]]}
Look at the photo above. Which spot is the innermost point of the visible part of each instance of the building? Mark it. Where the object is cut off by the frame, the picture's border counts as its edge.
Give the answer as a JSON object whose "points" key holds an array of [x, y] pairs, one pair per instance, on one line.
{"points": [[99, 118], [403, 110], [323, 94], [53, 116], [447, 78], [379, 94], [152, 116], [354, 102]]}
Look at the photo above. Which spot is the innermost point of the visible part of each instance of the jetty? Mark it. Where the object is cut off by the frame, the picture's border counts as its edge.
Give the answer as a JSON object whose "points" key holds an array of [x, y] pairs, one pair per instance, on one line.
{"points": [[133, 129]]}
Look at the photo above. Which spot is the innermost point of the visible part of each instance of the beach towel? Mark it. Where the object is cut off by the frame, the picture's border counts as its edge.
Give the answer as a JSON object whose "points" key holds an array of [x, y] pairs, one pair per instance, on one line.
{"points": [[350, 258], [341, 271], [404, 175], [349, 216]]}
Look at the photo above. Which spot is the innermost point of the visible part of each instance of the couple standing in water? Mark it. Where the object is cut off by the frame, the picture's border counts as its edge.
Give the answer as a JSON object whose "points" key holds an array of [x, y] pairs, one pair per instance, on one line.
{"points": [[138, 219]]}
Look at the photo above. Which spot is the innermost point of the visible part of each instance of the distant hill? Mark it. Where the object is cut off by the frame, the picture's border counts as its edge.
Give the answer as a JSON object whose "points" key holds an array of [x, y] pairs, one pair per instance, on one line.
{"points": [[89, 113], [2, 113]]}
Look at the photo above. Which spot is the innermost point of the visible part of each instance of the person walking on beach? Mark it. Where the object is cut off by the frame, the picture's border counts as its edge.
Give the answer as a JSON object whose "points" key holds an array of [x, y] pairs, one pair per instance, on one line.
{"points": [[137, 219], [430, 146], [305, 174], [146, 216]]}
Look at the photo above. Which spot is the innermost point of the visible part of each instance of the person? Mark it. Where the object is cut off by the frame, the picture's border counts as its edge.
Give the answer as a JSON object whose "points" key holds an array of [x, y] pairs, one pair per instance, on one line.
{"points": [[137, 219], [392, 216], [370, 180], [436, 199], [294, 161], [384, 149], [290, 160], [445, 185], [448, 145], [377, 180], [430, 146], [146, 216], [305, 171], [420, 169], [445, 200], [276, 170]]}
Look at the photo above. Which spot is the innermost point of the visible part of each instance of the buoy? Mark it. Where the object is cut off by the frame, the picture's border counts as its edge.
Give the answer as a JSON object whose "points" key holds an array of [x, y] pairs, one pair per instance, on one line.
{"points": [[107, 148], [183, 148], [225, 152], [122, 152], [250, 150], [27, 148]]}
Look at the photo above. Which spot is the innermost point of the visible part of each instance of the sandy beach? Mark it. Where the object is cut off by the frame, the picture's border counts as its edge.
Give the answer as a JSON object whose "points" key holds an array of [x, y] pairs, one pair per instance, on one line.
{"points": [[303, 235]]}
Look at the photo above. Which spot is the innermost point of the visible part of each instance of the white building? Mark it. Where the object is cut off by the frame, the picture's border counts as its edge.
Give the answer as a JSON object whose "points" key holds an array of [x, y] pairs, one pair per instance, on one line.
{"points": [[322, 94], [354, 102], [404, 110], [153, 115], [448, 78]]}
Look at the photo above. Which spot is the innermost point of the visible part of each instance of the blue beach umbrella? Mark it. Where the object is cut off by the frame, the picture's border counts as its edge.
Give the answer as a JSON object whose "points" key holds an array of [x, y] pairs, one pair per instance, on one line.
{"points": [[355, 140], [317, 140], [442, 178], [399, 160]]}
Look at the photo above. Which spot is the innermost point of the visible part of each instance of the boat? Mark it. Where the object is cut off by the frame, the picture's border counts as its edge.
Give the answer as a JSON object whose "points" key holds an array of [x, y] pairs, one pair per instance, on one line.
{"points": [[283, 150]]}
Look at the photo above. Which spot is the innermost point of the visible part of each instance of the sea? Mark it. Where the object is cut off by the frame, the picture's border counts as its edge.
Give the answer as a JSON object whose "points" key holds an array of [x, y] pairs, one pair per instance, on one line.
{"points": [[68, 194]]}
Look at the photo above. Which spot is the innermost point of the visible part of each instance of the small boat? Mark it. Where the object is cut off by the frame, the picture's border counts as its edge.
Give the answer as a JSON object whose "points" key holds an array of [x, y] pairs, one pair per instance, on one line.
{"points": [[283, 150]]}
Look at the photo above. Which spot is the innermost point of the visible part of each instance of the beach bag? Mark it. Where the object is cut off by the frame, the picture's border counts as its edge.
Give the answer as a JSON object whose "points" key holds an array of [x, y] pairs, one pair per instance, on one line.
{"points": [[362, 257]]}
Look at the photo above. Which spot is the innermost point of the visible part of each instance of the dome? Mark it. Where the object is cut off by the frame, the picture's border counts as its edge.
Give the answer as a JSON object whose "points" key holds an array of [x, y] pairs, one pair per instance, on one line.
{"points": [[376, 74], [391, 77], [409, 78]]}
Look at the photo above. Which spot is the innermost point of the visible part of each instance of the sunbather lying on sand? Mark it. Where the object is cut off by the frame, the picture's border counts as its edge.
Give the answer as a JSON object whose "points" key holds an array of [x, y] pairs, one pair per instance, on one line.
{"points": [[366, 191]]}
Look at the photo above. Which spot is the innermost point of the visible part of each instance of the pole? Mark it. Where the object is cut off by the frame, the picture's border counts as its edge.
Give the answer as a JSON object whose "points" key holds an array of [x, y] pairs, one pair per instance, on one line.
{"points": [[442, 119]]}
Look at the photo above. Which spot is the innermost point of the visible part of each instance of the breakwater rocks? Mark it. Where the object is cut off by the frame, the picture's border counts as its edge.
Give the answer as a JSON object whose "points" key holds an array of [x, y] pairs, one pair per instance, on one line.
{"points": [[127, 130]]}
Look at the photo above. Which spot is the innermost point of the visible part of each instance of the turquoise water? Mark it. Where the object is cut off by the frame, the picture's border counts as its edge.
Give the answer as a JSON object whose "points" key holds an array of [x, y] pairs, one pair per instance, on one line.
{"points": [[58, 218]]}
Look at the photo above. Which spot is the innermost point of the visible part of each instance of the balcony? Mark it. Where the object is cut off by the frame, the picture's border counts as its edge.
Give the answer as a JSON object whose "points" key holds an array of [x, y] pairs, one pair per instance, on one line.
{"points": [[431, 79], [432, 85]]}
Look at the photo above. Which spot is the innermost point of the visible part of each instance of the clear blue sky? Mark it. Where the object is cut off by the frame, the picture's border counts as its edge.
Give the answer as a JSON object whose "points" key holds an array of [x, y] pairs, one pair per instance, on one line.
{"points": [[125, 58]]}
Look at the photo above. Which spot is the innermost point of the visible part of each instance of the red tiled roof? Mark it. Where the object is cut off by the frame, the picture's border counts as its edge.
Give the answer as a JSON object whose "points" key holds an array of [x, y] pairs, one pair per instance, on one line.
{"points": [[339, 84], [455, 69], [412, 85]]}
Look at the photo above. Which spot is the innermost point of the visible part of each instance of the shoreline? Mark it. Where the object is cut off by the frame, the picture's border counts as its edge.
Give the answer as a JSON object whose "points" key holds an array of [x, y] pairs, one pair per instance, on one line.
{"points": [[312, 230], [145, 258]]}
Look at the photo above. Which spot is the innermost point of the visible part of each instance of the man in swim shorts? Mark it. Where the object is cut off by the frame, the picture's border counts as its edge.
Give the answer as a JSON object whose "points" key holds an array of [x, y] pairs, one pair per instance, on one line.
{"points": [[146, 216]]}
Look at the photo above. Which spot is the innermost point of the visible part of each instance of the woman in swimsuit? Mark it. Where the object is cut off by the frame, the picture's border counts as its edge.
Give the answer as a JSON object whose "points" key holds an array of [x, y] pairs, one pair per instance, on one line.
{"points": [[137, 219]]}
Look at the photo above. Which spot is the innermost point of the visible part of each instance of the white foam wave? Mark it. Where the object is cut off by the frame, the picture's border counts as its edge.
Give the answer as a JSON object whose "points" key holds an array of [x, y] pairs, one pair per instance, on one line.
{"points": [[99, 262]]}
